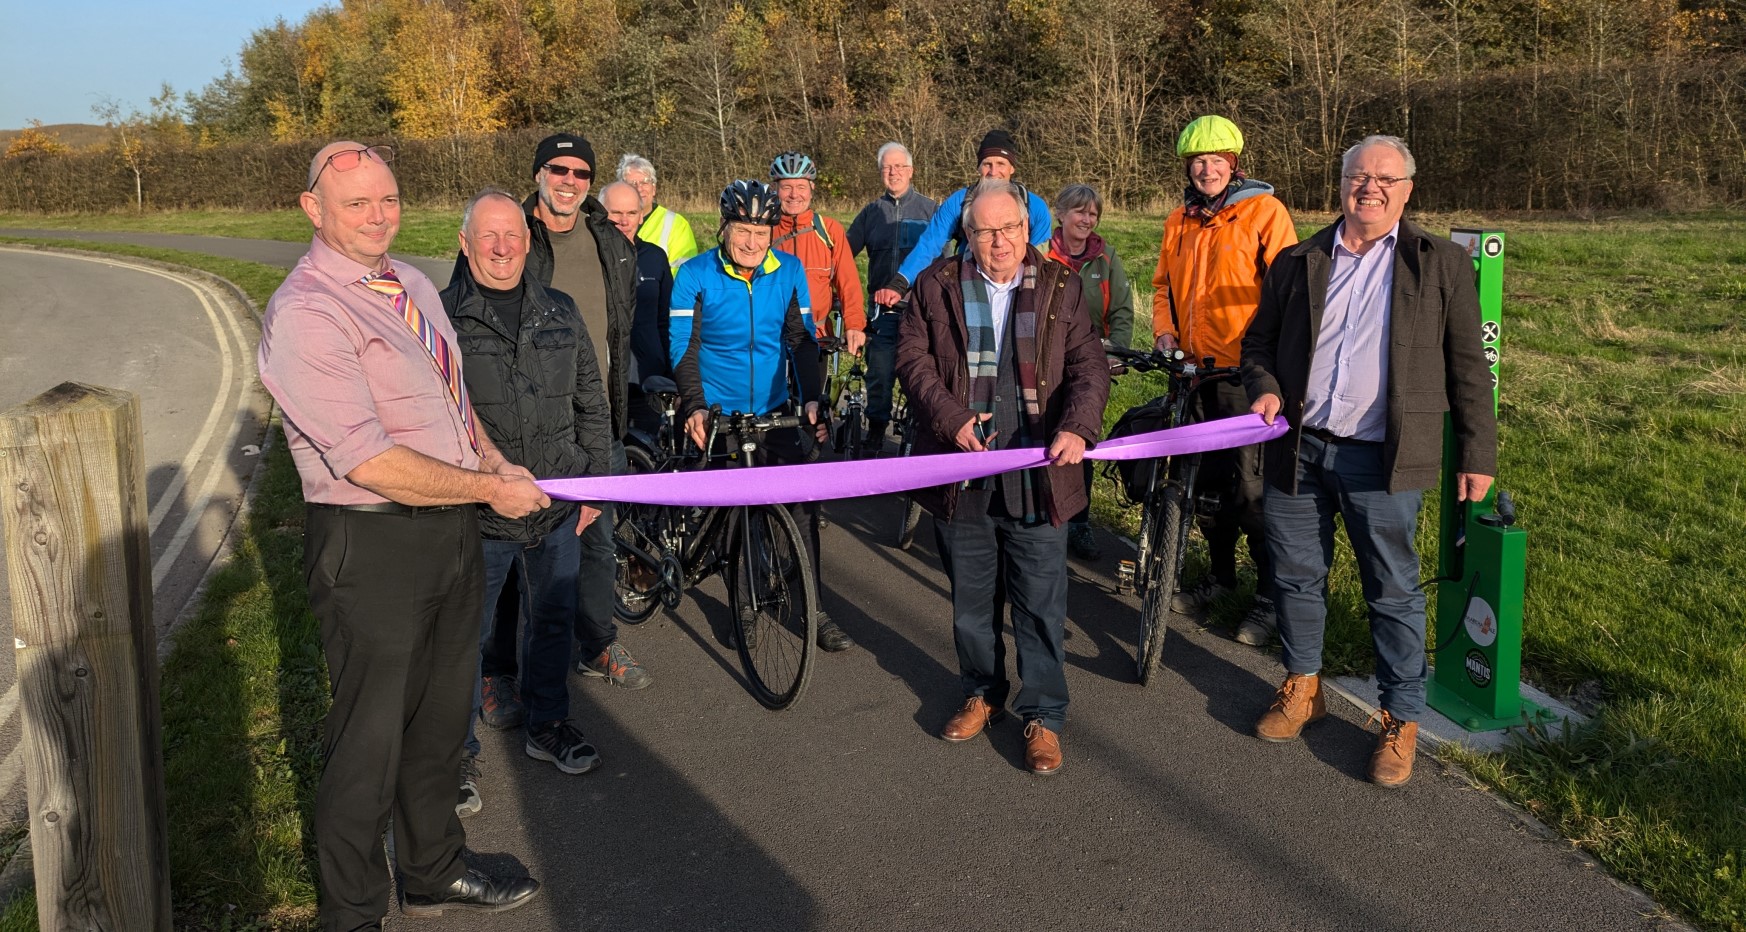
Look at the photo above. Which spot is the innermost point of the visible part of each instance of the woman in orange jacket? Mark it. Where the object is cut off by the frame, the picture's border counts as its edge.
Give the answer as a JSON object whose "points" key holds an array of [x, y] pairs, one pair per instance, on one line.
{"points": [[1217, 247]]}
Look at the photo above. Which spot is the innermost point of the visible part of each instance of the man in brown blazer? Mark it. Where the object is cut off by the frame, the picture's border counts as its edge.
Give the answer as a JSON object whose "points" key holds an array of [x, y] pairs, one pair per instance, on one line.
{"points": [[1367, 333]]}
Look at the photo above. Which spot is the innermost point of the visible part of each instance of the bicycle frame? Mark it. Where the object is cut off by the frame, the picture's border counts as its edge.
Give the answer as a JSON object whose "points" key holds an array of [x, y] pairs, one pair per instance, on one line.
{"points": [[1171, 502]]}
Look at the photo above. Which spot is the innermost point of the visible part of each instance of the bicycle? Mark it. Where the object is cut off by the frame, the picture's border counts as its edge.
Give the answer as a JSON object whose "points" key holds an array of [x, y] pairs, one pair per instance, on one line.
{"points": [[1171, 499], [848, 396], [908, 510], [663, 551]]}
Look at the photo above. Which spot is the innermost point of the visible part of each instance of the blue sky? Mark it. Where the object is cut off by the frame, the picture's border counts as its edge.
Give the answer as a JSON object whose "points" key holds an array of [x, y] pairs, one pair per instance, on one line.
{"points": [[58, 57]]}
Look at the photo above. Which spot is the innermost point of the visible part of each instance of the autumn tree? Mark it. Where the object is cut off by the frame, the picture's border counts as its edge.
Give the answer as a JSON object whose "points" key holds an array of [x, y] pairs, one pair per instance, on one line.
{"points": [[33, 141]]}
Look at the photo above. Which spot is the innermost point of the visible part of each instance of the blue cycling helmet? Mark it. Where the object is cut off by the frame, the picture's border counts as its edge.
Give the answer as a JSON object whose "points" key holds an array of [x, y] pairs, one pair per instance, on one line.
{"points": [[749, 201], [793, 165]]}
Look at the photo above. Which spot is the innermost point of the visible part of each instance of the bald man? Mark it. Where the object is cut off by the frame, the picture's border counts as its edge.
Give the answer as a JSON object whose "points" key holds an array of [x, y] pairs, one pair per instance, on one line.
{"points": [[654, 293], [363, 362]]}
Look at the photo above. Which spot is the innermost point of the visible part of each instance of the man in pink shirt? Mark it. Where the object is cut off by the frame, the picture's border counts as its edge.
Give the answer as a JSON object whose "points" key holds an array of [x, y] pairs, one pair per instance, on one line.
{"points": [[360, 357]]}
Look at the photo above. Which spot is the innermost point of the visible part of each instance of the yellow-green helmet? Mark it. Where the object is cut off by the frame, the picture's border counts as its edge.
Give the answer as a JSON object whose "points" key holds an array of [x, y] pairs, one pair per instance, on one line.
{"points": [[1209, 134]]}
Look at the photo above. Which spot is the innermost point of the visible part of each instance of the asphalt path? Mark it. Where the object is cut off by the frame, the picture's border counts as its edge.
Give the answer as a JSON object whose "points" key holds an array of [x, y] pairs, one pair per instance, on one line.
{"points": [[185, 345], [847, 813]]}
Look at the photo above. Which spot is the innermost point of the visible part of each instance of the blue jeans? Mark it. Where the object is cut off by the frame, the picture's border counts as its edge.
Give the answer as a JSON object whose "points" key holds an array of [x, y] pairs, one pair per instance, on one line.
{"points": [[881, 359], [993, 561], [547, 572], [596, 627], [1348, 479]]}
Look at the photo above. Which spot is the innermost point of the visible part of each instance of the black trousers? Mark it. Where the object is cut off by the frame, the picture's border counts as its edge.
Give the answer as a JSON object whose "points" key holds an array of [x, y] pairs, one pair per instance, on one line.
{"points": [[1236, 475], [398, 600]]}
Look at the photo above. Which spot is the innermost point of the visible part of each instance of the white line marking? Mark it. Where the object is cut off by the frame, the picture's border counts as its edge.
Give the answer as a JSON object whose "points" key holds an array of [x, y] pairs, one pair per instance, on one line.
{"points": [[11, 769], [215, 470]]}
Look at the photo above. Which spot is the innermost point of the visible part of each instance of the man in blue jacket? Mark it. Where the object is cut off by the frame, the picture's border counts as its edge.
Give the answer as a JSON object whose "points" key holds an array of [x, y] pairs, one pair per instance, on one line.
{"points": [[741, 316], [996, 158]]}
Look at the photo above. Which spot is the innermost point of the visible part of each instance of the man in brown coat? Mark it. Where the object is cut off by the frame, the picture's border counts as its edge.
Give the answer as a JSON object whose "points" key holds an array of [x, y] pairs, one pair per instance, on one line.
{"points": [[999, 351], [1367, 333]]}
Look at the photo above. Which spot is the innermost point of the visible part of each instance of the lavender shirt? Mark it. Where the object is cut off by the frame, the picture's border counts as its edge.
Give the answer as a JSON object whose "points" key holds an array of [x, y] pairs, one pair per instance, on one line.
{"points": [[1348, 381], [352, 378]]}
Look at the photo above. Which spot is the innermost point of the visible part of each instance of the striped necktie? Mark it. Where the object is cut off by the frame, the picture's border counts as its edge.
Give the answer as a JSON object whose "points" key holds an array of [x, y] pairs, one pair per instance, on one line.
{"points": [[441, 355]]}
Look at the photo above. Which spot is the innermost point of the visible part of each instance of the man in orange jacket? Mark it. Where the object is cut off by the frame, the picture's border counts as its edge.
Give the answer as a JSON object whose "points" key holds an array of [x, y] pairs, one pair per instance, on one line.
{"points": [[822, 245], [1217, 247]]}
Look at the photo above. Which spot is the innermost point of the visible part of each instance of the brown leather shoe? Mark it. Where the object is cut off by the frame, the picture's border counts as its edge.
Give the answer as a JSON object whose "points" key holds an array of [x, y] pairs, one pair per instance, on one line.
{"points": [[1298, 702], [969, 721], [1042, 749], [1392, 764]]}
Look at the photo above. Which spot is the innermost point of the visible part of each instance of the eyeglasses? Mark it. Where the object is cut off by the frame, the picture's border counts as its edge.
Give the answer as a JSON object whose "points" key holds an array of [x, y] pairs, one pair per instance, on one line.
{"points": [[347, 159], [1382, 181], [559, 171], [891, 169], [639, 185], [1010, 233]]}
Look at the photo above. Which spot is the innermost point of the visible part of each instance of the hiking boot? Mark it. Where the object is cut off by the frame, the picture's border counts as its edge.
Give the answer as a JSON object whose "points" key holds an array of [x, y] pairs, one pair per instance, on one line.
{"points": [[563, 744], [1197, 597], [830, 637], [502, 706], [1259, 623], [1391, 766], [617, 666], [470, 801], [1082, 542], [1298, 702]]}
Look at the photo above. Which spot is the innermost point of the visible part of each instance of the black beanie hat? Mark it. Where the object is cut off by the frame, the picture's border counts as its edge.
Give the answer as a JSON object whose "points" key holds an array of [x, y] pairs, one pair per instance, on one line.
{"points": [[998, 142], [562, 144]]}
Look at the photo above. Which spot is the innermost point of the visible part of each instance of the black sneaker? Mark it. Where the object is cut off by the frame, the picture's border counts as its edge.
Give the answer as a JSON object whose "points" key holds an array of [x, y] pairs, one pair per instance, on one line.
{"points": [[500, 702], [1082, 541], [470, 801], [1259, 623], [1198, 596], [831, 637], [563, 744]]}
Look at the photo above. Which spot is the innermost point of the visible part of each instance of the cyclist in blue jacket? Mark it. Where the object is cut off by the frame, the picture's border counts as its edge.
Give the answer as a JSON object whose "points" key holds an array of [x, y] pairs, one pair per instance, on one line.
{"points": [[997, 158], [740, 320]]}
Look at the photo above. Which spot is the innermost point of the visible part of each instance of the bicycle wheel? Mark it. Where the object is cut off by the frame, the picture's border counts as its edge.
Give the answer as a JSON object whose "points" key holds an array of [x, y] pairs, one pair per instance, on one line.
{"points": [[775, 605], [908, 518], [1169, 531], [636, 587], [908, 512], [855, 436]]}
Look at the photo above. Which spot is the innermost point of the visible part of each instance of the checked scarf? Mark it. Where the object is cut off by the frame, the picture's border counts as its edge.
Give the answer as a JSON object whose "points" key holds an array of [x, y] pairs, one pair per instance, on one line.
{"points": [[983, 356]]}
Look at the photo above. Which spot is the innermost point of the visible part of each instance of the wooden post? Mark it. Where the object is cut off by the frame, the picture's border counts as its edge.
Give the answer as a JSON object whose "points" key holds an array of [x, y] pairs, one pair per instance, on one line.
{"points": [[73, 502]]}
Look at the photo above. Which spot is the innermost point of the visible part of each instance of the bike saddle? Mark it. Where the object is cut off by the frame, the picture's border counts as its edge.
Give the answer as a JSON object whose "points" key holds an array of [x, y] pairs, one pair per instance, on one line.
{"points": [[659, 385]]}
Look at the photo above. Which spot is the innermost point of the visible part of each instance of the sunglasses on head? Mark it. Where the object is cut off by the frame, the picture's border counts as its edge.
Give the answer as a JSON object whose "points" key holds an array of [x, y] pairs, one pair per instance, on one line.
{"points": [[559, 171], [347, 159]]}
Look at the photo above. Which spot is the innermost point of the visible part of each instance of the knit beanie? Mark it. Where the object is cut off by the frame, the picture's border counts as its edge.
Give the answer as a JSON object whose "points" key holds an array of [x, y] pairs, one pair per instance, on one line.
{"points": [[562, 144], [998, 142]]}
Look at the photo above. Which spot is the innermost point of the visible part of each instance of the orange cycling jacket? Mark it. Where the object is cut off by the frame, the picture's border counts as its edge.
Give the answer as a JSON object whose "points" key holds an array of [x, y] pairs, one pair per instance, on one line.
{"points": [[831, 275], [1208, 282]]}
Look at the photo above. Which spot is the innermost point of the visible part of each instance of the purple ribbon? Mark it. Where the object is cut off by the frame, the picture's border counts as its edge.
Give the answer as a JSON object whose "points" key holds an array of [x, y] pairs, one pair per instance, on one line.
{"points": [[812, 482]]}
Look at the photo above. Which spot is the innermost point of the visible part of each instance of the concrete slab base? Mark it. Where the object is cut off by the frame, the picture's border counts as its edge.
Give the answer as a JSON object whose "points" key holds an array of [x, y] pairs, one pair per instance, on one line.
{"points": [[1439, 729]]}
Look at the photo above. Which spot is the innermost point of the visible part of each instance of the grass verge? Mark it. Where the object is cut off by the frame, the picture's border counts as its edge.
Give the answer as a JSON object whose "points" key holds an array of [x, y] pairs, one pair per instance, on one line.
{"points": [[1624, 375]]}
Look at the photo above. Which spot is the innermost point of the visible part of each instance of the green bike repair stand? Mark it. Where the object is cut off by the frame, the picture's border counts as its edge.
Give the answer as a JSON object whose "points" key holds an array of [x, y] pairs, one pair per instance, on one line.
{"points": [[1482, 559]]}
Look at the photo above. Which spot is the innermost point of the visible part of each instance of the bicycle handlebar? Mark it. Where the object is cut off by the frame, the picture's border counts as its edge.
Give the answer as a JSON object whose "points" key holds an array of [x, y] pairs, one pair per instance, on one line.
{"points": [[1175, 362]]}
